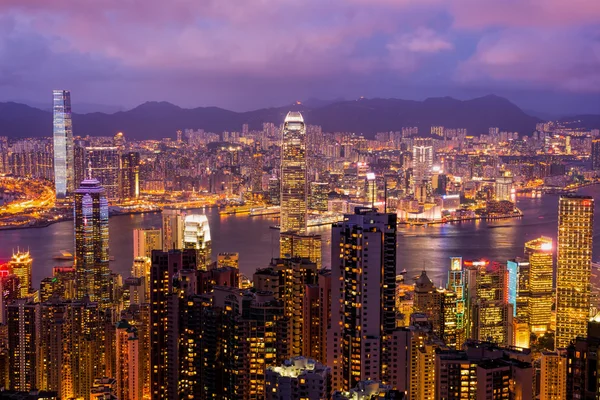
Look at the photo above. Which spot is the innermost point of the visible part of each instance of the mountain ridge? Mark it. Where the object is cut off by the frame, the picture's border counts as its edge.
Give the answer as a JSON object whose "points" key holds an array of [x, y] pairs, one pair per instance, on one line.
{"points": [[158, 119]]}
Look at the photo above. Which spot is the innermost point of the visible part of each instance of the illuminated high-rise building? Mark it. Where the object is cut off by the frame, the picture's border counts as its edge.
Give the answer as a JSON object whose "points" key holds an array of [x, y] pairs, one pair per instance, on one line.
{"points": [[363, 281], [63, 143], [456, 284], [596, 154], [293, 175], [491, 313], [91, 242], [422, 161], [303, 246], [163, 361], [437, 131], [553, 376], [20, 266], [288, 278], [317, 316], [146, 240], [196, 235], [127, 352], [130, 176], [104, 163], [541, 270], [22, 344], [172, 229], [573, 267], [319, 196], [504, 186]]}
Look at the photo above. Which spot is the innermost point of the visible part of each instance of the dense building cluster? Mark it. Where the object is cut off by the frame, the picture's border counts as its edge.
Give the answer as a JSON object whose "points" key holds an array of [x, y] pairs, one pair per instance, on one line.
{"points": [[188, 325]]}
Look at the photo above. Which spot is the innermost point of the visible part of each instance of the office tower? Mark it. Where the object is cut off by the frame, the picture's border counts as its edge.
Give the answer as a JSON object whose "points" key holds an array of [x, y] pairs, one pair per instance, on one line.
{"points": [[298, 378], [422, 162], [370, 189], [105, 165], [518, 287], [595, 154], [130, 176], [63, 143], [287, 279], [504, 186], [172, 229], [165, 265], [228, 260], [22, 344], [304, 246], [293, 175], [363, 280], [573, 267], [20, 266], [60, 285], [91, 242], [79, 163], [456, 284], [437, 131], [491, 314], [553, 376], [196, 235], [319, 196], [128, 374], [146, 240], [541, 270], [455, 375], [10, 290]]}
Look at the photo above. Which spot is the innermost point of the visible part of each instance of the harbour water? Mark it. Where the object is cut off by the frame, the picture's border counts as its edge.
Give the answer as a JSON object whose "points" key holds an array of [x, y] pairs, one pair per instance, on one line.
{"points": [[419, 247]]}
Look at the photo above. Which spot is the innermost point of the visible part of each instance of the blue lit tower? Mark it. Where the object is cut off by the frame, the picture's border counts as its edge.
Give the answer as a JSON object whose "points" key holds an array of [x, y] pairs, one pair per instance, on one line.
{"points": [[91, 242], [63, 144]]}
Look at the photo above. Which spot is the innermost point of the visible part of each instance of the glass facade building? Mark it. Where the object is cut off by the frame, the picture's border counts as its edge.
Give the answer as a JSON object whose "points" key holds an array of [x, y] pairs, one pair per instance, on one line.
{"points": [[293, 175], [63, 143], [573, 267]]}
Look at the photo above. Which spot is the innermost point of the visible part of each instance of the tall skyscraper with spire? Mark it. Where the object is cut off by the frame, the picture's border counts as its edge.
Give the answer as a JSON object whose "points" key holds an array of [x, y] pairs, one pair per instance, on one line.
{"points": [[293, 175], [63, 143], [573, 267], [91, 242]]}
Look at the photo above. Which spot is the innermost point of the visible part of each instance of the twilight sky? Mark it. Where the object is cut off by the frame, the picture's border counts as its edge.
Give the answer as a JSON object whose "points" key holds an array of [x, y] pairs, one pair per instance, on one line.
{"points": [[544, 55]]}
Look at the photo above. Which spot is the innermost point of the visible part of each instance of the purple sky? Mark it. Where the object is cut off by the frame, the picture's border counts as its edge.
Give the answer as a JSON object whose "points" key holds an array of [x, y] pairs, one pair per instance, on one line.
{"points": [[244, 54]]}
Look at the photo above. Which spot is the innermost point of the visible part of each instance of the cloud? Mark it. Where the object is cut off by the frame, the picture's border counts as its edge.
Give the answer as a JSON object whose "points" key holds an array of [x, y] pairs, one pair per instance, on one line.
{"points": [[423, 40], [558, 59]]}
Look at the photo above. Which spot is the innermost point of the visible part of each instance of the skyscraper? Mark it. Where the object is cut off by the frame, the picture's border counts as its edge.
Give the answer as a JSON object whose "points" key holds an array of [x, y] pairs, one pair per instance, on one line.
{"points": [[422, 161], [596, 154], [63, 143], [573, 267], [130, 175], [146, 240], [172, 229], [540, 300], [293, 175], [363, 280], [22, 344], [20, 266], [196, 235], [91, 242], [105, 163]]}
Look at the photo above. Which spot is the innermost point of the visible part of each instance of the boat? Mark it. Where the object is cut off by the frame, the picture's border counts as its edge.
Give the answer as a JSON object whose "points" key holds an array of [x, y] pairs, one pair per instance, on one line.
{"points": [[64, 255], [403, 272]]}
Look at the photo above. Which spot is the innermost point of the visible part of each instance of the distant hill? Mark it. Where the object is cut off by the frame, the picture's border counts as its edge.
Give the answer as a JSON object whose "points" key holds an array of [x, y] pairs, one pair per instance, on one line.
{"points": [[155, 120]]}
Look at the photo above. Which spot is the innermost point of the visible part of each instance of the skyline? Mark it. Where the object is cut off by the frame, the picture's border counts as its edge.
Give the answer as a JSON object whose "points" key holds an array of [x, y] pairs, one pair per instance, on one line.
{"points": [[543, 55]]}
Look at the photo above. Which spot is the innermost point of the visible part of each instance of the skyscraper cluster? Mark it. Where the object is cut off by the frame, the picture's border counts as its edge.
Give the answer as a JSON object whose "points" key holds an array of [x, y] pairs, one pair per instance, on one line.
{"points": [[185, 327]]}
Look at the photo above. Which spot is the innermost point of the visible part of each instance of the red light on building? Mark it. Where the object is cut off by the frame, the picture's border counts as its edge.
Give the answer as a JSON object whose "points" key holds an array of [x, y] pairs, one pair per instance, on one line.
{"points": [[586, 203]]}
